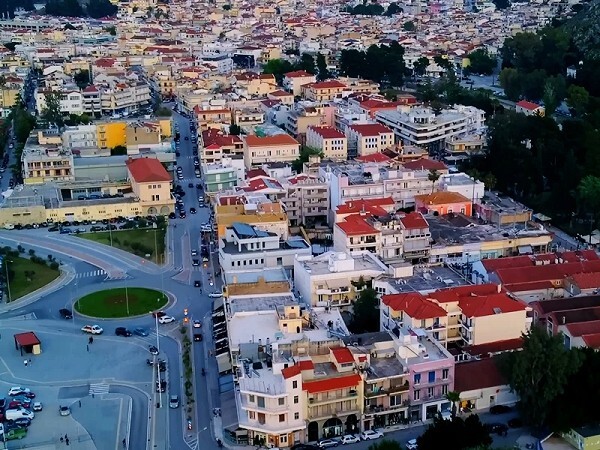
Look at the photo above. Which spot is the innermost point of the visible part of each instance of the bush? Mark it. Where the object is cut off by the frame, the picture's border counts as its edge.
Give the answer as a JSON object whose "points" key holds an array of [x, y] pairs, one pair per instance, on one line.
{"points": [[54, 265]]}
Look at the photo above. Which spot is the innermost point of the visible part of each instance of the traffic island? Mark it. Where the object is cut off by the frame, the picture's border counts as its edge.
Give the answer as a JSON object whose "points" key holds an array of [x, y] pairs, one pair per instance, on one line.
{"points": [[25, 272], [121, 302]]}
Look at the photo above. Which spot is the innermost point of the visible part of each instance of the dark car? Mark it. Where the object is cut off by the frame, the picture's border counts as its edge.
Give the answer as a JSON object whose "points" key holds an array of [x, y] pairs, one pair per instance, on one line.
{"points": [[198, 186], [515, 423], [198, 337], [162, 387], [193, 210], [172, 215], [122, 331], [497, 428], [21, 422], [197, 283], [140, 332], [153, 350], [500, 409], [195, 262], [65, 313], [182, 215]]}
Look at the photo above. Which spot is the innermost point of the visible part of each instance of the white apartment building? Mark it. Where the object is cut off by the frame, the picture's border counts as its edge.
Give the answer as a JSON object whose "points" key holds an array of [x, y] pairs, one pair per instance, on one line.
{"points": [[124, 98], [421, 126], [71, 102], [463, 184], [331, 142], [367, 139], [245, 247], [306, 199], [268, 149], [82, 136], [327, 280]]}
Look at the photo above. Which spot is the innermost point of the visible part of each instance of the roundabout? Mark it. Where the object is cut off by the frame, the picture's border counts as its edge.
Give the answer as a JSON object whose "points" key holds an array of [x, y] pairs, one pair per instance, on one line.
{"points": [[120, 303]]}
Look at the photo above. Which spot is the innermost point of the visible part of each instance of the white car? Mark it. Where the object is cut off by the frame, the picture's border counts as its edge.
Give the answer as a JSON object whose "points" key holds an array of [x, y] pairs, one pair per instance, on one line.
{"points": [[166, 319], [215, 294], [326, 443], [412, 445], [64, 410], [370, 435], [18, 390], [350, 439], [92, 329]]}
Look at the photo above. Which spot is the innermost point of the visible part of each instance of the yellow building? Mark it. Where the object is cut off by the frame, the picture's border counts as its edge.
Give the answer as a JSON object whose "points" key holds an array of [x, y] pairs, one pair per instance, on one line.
{"points": [[322, 91], [111, 134], [265, 216], [267, 149], [584, 438], [151, 183]]}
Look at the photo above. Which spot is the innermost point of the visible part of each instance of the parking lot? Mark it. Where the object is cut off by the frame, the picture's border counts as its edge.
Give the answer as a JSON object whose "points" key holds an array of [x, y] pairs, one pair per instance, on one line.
{"points": [[72, 373]]}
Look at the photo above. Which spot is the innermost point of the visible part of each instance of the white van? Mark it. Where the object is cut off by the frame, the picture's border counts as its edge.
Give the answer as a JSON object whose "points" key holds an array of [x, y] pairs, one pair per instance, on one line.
{"points": [[9, 226], [12, 414]]}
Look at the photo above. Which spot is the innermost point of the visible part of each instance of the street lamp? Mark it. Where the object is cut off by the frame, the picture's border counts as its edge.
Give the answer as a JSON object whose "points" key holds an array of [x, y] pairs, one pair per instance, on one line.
{"points": [[157, 365], [6, 261]]}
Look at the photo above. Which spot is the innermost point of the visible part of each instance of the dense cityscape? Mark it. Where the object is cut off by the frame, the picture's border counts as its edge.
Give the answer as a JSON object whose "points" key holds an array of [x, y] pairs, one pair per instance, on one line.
{"points": [[310, 224]]}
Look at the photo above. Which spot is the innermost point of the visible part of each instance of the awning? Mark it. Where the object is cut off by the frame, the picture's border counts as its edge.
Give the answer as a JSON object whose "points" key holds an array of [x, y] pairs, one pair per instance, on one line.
{"points": [[525, 250]]}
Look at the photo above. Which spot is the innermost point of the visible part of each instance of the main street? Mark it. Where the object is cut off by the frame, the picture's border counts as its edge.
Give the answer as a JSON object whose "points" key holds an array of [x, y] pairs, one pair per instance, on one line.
{"points": [[99, 267]]}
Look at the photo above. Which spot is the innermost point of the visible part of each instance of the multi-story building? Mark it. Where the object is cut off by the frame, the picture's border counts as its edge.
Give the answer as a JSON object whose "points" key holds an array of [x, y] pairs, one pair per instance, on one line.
{"points": [[151, 184], [246, 247], [306, 200], [211, 118], [267, 149], [368, 139], [214, 145], [329, 141], [421, 126], [335, 279], [248, 117], [9, 92], [255, 84], [297, 121], [223, 175], [82, 136], [293, 81], [322, 91], [124, 98], [145, 136], [260, 212], [71, 101], [41, 164]]}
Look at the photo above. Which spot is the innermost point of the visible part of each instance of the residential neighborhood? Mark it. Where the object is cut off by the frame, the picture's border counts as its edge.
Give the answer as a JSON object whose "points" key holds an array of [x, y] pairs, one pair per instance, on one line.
{"points": [[362, 221]]}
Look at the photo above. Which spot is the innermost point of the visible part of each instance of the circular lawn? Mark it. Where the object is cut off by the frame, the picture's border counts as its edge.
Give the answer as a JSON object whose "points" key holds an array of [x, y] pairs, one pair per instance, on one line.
{"points": [[121, 302]]}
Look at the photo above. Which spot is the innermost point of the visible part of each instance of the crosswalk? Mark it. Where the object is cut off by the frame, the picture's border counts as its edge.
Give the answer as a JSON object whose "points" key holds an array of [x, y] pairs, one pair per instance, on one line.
{"points": [[91, 273], [192, 442], [99, 388]]}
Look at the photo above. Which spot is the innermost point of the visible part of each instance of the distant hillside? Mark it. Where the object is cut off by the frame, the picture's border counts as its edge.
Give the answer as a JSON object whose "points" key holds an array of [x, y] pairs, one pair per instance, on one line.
{"points": [[585, 27]]}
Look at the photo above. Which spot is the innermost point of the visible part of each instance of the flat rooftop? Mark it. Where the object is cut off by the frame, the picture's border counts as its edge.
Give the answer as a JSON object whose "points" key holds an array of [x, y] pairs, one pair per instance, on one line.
{"points": [[264, 303], [319, 265], [503, 204], [425, 280], [253, 276], [290, 245]]}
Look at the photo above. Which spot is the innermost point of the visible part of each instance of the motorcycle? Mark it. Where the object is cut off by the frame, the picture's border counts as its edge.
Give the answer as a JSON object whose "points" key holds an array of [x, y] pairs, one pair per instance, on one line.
{"points": [[189, 423], [203, 372]]}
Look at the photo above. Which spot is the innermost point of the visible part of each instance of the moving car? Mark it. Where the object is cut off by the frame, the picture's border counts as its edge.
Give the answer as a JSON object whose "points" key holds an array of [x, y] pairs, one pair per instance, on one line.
{"points": [[162, 387], [412, 445], [194, 252], [166, 319], [197, 337], [92, 329], [140, 332], [65, 313], [326, 443], [197, 283], [174, 401], [350, 439], [370, 435], [193, 210], [122, 331], [215, 295], [497, 428], [195, 262], [64, 410], [153, 350], [197, 324]]}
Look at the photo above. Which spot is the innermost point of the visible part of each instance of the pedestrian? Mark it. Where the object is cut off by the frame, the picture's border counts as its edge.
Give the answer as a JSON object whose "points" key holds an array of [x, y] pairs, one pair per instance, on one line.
{"points": [[25, 362], [62, 439], [87, 347], [29, 361], [67, 441], [66, 437], [80, 403]]}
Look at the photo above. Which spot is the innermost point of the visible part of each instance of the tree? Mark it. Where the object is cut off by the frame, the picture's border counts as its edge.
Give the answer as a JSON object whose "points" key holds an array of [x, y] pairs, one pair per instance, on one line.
{"points": [[365, 312], [409, 26], [234, 129], [101, 8], [455, 434], [118, 150], [433, 176], [453, 397], [589, 194], [577, 99], [305, 154], [307, 63], [386, 444], [112, 30], [393, 8], [539, 372], [226, 7], [67, 8], [501, 4], [52, 111], [82, 78], [10, 45], [481, 62], [510, 80], [421, 65], [322, 72], [278, 67]]}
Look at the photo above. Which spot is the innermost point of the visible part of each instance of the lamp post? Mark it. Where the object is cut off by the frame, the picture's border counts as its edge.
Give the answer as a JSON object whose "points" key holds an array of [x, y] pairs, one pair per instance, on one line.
{"points": [[127, 300], [6, 261], [157, 365]]}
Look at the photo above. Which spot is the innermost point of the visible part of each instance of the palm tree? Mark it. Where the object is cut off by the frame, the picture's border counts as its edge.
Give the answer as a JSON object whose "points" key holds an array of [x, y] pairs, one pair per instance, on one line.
{"points": [[454, 398], [433, 176]]}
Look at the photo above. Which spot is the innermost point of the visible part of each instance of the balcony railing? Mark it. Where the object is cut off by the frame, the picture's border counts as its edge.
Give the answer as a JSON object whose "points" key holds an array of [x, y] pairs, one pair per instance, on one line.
{"points": [[333, 398], [318, 413], [377, 409]]}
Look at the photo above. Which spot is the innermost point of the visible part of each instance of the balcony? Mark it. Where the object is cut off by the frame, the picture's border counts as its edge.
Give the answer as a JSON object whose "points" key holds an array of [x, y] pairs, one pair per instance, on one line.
{"points": [[332, 398], [325, 413], [272, 408], [381, 409]]}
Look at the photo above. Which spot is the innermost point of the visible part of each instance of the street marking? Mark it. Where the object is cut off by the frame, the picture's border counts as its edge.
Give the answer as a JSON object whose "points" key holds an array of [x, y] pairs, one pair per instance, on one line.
{"points": [[99, 388], [92, 273]]}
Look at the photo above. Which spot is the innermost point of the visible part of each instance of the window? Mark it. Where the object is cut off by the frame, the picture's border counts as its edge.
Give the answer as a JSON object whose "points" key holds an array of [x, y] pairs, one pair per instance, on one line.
{"points": [[431, 376], [417, 378], [417, 394], [281, 401], [294, 385], [295, 399], [296, 416], [283, 439], [251, 398], [444, 389], [280, 261], [445, 373], [430, 392], [251, 415], [282, 417], [260, 401]]}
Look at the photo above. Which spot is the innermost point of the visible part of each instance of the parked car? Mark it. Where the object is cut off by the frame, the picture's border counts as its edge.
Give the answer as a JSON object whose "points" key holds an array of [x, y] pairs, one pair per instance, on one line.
{"points": [[17, 413], [92, 329], [197, 324], [166, 319], [37, 406], [64, 410], [326, 443], [497, 428], [193, 210], [194, 252], [195, 262], [140, 332], [65, 313], [412, 445], [174, 401], [21, 422], [122, 331], [215, 295], [370, 435], [500, 409], [162, 387], [18, 390], [350, 439]]}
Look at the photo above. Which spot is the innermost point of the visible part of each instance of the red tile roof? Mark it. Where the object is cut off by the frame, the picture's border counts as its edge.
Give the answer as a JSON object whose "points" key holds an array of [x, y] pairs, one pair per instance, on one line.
{"points": [[300, 178], [494, 347], [374, 158], [475, 375], [342, 355], [581, 328], [354, 225], [269, 141], [26, 339], [328, 132], [528, 105], [415, 305], [147, 170], [370, 129], [300, 366], [491, 265], [367, 205], [329, 84], [331, 384], [298, 74], [253, 173], [425, 164], [454, 294], [586, 280], [592, 340], [480, 306], [414, 220]]}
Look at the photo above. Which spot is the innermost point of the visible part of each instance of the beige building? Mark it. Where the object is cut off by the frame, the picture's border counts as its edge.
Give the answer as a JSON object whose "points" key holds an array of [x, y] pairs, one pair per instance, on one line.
{"points": [[306, 200], [293, 81], [298, 121], [211, 118], [255, 84], [264, 216], [286, 98], [268, 149], [369, 138], [151, 183], [322, 91], [124, 97], [330, 141], [248, 117], [41, 164], [145, 136]]}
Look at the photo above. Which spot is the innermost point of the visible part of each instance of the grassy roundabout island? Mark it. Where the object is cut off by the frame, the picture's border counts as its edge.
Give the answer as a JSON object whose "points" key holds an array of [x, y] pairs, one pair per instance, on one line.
{"points": [[121, 302]]}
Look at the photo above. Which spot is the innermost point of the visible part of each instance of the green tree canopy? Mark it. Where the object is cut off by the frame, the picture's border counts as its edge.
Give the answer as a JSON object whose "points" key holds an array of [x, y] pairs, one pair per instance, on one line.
{"points": [[365, 312], [481, 62], [101, 8], [382, 64], [278, 67], [455, 434], [501, 4], [539, 372], [420, 65], [52, 112], [578, 99], [67, 8], [307, 63], [305, 154], [386, 444], [409, 26], [322, 72], [393, 8], [82, 78]]}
